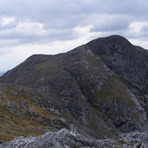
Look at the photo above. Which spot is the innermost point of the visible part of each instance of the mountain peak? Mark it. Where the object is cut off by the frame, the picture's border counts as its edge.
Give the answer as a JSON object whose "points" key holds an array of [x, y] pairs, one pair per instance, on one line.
{"points": [[110, 45], [112, 39]]}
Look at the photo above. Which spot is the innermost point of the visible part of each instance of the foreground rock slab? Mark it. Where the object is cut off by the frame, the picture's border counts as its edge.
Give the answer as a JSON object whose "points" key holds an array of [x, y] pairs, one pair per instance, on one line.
{"points": [[72, 139]]}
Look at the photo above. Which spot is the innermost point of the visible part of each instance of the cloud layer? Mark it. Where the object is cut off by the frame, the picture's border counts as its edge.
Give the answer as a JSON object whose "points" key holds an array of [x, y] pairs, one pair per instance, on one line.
{"points": [[39, 24]]}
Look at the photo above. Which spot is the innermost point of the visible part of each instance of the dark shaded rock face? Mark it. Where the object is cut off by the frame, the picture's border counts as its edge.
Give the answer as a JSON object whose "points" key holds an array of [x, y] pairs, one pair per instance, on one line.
{"points": [[127, 61], [100, 87]]}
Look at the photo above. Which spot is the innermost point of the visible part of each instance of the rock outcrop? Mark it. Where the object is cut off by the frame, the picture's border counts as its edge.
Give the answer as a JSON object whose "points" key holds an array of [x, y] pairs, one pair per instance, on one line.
{"points": [[72, 139]]}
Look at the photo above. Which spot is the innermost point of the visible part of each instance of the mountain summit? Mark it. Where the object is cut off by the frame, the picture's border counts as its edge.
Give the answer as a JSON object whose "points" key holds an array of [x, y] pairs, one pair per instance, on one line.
{"points": [[99, 88]]}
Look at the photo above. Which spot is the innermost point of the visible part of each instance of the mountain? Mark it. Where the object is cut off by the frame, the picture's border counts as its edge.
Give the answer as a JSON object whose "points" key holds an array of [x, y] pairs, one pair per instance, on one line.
{"points": [[99, 89]]}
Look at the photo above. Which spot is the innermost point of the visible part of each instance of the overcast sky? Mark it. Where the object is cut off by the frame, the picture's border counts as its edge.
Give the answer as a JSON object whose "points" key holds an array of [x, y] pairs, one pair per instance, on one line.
{"points": [[53, 26]]}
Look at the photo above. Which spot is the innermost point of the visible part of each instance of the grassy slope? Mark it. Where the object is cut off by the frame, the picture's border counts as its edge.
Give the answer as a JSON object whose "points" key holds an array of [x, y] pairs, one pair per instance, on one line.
{"points": [[11, 123]]}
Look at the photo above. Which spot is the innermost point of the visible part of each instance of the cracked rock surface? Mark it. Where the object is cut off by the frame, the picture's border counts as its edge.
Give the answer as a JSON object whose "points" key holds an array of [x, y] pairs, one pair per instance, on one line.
{"points": [[71, 139]]}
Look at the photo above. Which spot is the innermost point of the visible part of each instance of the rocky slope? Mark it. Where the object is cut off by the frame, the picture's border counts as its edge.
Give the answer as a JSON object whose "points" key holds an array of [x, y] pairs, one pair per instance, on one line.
{"points": [[100, 88], [22, 114], [129, 62]]}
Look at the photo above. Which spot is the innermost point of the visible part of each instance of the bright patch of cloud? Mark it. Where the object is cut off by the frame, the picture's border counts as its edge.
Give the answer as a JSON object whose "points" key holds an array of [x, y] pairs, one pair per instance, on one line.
{"points": [[137, 26], [137, 30], [7, 20]]}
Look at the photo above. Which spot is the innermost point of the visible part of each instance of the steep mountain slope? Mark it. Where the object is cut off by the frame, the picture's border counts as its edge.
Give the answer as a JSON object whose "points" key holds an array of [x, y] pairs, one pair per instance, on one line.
{"points": [[129, 62], [92, 86]]}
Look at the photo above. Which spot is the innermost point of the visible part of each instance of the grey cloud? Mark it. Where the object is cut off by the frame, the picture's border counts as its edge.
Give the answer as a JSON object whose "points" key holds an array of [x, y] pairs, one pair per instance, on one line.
{"points": [[139, 34], [59, 15], [50, 10], [68, 14], [8, 26], [63, 23], [145, 28], [34, 37], [110, 23], [144, 33]]}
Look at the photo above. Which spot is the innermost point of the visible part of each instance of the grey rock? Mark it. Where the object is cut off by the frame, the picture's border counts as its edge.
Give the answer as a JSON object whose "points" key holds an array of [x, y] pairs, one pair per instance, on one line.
{"points": [[16, 107], [32, 114], [70, 139], [1, 100], [55, 111]]}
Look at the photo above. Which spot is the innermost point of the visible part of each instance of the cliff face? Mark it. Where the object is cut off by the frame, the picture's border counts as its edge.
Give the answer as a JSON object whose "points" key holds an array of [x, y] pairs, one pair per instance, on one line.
{"points": [[100, 87], [128, 62]]}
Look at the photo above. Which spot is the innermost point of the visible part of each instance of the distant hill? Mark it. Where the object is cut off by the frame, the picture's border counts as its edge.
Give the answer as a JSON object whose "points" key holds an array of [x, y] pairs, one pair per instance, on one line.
{"points": [[99, 88]]}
